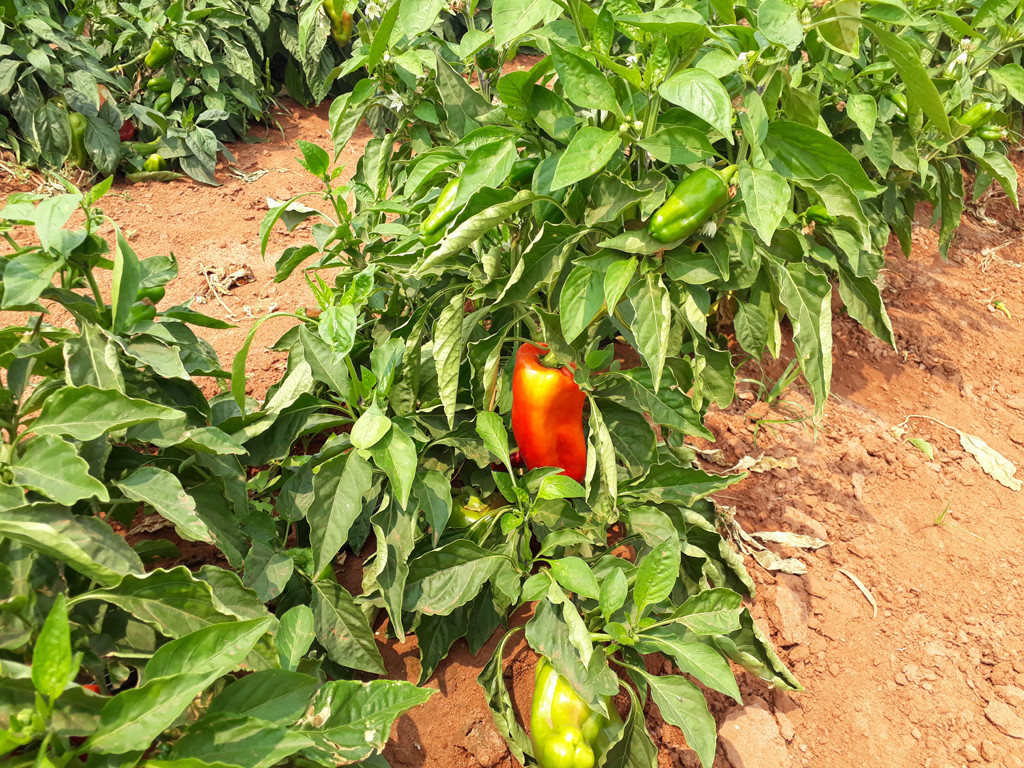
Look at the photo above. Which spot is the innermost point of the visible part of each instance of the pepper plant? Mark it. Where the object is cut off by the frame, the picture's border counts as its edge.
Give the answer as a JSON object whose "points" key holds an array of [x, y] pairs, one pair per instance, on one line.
{"points": [[107, 657]]}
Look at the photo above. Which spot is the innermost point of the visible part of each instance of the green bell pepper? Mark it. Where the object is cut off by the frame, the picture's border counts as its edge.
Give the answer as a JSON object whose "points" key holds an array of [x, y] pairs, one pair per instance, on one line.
{"points": [[899, 100], [163, 103], [819, 214], [468, 509], [433, 226], [522, 171], [161, 84], [979, 114], [159, 54], [154, 163], [566, 733], [695, 200]]}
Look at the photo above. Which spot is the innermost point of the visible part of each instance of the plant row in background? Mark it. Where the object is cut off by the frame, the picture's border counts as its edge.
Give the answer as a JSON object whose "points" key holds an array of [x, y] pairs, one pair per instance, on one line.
{"points": [[681, 182], [106, 85]]}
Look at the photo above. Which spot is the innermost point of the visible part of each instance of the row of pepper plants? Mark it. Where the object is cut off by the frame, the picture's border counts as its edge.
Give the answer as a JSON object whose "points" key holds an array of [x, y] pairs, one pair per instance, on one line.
{"points": [[680, 181], [104, 85]]}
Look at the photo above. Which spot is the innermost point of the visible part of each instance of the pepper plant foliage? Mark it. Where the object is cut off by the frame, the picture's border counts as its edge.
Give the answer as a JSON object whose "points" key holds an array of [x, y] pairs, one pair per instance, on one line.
{"points": [[229, 63], [415, 338], [106, 659]]}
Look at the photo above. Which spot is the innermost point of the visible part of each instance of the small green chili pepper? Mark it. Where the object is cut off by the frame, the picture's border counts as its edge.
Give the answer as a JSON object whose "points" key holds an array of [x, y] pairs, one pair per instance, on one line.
{"points": [[433, 226]]}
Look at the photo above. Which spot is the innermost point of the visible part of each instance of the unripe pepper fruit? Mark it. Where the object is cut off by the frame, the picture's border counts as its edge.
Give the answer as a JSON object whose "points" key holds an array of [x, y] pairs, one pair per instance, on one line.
{"points": [[978, 115], [819, 214], [154, 163], [697, 197], [566, 733], [162, 103], [78, 123], [433, 226], [161, 84], [159, 54], [547, 414]]}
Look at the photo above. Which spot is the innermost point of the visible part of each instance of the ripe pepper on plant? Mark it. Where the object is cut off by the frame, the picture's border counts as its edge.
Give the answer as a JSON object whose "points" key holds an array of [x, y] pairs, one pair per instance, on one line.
{"points": [[341, 23], [433, 226], [695, 200], [566, 733], [127, 131], [547, 414]]}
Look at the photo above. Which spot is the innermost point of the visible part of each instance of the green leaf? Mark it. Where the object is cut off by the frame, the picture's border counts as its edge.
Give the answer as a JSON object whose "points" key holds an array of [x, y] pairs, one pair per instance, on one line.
{"points": [[133, 719], [921, 91], [575, 576], [370, 427], [584, 84], [504, 714], [27, 276], [693, 658], [396, 455], [486, 166], [342, 629], [51, 656], [382, 36], [840, 26], [1010, 76], [211, 651], [651, 324], [703, 95], [471, 230], [356, 718], [580, 302], [807, 296], [863, 301], [34, 469], [173, 601], [125, 281], [491, 428], [85, 413], [863, 110], [514, 18], [274, 695], [766, 196], [240, 740], [588, 153], [633, 748], [86, 544], [162, 490], [448, 577], [779, 22], [678, 145], [434, 493], [338, 489], [711, 612], [614, 590], [799, 152], [617, 278], [449, 344], [657, 574], [682, 704], [295, 634]]}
